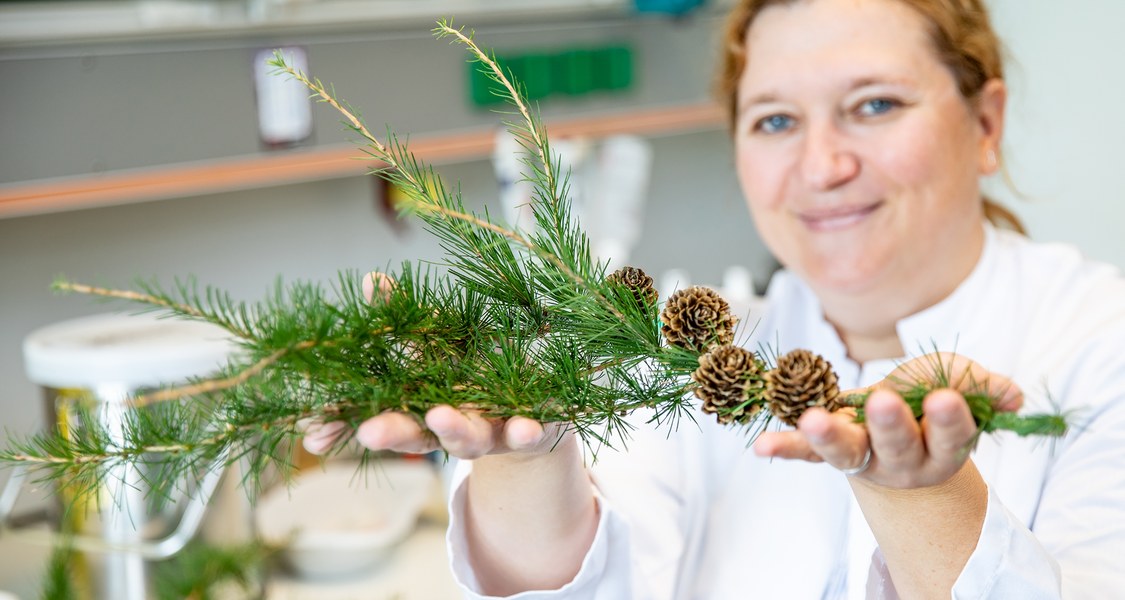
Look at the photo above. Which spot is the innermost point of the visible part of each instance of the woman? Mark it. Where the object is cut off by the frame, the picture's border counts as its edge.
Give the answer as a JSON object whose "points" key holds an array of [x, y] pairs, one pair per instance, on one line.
{"points": [[862, 128]]}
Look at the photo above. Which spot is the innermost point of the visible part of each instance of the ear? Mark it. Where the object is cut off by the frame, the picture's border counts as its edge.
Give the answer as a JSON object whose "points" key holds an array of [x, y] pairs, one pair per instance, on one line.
{"points": [[990, 107]]}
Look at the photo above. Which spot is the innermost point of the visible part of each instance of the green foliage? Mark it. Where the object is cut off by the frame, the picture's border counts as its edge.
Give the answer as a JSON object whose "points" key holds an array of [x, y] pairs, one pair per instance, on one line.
{"points": [[517, 324], [203, 572], [199, 571], [981, 397], [982, 407], [58, 581]]}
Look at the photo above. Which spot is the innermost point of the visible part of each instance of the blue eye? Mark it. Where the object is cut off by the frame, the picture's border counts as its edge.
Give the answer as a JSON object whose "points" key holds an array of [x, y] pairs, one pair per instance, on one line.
{"points": [[877, 106], [773, 124]]}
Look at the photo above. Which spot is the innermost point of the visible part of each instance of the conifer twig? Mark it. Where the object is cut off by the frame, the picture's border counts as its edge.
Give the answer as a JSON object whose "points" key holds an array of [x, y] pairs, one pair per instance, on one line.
{"points": [[539, 146], [131, 296], [216, 385], [533, 127], [409, 175], [521, 324]]}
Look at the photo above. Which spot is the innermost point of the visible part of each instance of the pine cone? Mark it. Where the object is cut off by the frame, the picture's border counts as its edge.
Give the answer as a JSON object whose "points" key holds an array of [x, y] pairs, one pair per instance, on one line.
{"points": [[728, 376], [697, 318], [636, 281], [801, 381]]}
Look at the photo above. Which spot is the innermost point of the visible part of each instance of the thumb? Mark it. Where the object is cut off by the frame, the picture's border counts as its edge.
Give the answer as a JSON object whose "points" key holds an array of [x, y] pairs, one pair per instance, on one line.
{"points": [[376, 282]]}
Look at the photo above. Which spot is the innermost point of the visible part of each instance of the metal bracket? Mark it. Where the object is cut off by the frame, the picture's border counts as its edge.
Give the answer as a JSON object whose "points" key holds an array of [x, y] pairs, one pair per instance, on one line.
{"points": [[155, 549]]}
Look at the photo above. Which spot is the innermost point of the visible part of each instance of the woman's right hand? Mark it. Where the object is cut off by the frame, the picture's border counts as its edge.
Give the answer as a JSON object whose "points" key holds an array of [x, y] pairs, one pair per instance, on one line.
{"points": [[464, 434], [529, 516]]}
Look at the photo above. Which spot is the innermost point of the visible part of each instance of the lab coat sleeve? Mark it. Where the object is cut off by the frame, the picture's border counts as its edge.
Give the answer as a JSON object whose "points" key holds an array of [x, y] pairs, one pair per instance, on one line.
{"points": [[1074, 544], [639, 547], [1009, 561], [598, 578]]}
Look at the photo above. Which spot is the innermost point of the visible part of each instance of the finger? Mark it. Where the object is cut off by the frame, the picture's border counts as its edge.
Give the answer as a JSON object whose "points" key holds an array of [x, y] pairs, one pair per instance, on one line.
{"points": [[394, 431], [521, 433], [964, 375], [840, 442], [1008, 396], [785, 444], [320, 437], [967, 376], [896, 438], [974, 378], [949, 428], [464, 435], [860, 391], [376, 281]]}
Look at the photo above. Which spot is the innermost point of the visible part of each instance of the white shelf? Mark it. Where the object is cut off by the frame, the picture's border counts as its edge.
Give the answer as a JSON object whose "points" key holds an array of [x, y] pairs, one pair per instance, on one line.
{"points": [[314, 164], [39, 23]]}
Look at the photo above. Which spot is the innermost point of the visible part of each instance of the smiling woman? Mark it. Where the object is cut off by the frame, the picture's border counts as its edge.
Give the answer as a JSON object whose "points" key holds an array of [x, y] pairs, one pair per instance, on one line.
{"points": [[862, 166], [862, 129]]}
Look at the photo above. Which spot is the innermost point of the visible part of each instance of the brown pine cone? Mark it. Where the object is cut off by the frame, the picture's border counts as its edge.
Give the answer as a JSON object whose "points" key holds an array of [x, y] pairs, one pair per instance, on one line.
{"points": [[801, 381], [728, 376], [697, 318], [636, 281]]}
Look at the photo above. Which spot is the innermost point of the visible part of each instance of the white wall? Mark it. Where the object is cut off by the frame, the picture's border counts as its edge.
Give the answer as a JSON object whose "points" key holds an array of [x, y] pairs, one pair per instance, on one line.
{"points": [[1066, 127]]}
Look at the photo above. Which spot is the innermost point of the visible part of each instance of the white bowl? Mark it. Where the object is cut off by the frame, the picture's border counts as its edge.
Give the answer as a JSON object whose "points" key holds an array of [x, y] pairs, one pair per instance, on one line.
{"points": [[342, 521]]}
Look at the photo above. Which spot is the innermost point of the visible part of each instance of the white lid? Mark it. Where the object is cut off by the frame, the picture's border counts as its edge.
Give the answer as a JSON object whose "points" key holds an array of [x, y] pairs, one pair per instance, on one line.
{"points": [[139, 350]]}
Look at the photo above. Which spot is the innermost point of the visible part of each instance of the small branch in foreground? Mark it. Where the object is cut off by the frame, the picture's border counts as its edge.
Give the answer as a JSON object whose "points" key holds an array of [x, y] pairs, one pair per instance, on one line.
{"points": [[215, 385], [66, 286], [229, 433]]}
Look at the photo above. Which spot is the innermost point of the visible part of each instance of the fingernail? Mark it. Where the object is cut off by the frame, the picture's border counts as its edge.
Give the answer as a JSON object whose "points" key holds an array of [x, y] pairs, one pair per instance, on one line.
{"points": [[882, 418], [761, 449], [943, 417], [368, 285], [882, 406], [371, 434], [313, 446], [1010, 399]]}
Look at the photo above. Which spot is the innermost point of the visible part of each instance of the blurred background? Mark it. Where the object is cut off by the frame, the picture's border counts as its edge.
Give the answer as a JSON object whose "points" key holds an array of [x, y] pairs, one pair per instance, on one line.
{"points": [[143, 138]]}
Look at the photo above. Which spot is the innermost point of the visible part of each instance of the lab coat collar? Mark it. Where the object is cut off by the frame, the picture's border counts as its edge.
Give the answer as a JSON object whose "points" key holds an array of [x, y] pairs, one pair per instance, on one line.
{"points": [[928, 330]]}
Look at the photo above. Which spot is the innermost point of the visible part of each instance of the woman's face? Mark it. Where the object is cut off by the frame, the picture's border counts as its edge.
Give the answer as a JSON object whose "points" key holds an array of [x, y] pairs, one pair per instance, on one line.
{"points": [[859, 158]]}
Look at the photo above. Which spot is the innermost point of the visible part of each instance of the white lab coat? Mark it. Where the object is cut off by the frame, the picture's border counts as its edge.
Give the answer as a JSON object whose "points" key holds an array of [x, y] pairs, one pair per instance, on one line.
{"points": [[697, 515]]}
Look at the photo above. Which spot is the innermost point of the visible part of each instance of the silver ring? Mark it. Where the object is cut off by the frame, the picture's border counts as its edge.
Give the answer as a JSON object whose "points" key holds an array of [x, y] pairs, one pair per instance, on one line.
{"points": [[862, 466]]}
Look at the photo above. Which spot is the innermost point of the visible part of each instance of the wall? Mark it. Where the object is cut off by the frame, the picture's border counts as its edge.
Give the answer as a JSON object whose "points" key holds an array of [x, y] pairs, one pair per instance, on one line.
{"points": [[1066, 126], [86, 108]]}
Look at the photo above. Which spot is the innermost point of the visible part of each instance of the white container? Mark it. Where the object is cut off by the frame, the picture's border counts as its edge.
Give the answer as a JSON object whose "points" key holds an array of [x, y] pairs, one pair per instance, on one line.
{"points": [[128, 351], [101, 362], [340, 522]]}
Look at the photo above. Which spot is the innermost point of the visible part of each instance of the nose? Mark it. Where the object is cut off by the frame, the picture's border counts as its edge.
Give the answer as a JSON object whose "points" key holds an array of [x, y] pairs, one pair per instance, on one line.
{"points": [[826, 161]]}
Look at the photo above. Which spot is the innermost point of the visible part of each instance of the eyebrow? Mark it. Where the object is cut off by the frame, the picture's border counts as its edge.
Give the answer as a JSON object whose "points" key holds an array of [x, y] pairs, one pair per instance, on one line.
{"points": [[878, 80], [854, 84], [763, 98]]}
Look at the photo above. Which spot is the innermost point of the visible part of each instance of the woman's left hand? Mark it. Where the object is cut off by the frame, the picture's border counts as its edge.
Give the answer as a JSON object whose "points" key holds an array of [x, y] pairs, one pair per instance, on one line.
{"points": [[904, 452]]}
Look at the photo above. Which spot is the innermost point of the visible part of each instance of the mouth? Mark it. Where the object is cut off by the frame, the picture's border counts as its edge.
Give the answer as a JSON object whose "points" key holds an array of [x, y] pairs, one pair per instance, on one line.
{"points": [[838, 218]]}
